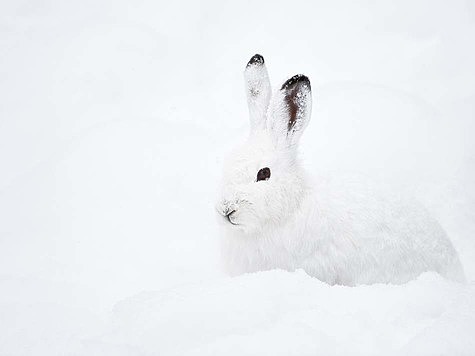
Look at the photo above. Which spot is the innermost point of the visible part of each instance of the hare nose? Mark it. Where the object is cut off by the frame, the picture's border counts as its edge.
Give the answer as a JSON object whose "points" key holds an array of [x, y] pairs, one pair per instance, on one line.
{"points": [[229, 216], [227, 208], [229, 212], [222, 208]]}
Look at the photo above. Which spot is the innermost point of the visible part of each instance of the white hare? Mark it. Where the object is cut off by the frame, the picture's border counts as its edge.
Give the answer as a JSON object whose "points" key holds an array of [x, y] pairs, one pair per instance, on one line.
{"points": [[274, 216]]}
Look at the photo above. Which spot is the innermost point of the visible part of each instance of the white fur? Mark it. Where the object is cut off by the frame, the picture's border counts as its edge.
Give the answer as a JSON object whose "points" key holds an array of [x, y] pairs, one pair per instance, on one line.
{"points": [[340, 231]]}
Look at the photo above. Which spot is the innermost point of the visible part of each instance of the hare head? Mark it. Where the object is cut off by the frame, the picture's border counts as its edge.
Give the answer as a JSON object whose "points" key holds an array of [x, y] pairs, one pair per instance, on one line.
{"points": [[263, 183]]}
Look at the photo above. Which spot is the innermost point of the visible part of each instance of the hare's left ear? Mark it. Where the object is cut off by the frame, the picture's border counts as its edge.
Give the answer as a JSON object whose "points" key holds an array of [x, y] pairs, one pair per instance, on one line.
{"points": [[258, 91], [290, 110]]}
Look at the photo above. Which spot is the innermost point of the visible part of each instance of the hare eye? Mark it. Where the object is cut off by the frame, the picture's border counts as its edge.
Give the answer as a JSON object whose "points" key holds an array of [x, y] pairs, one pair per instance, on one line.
{"points": [[263, 174]]}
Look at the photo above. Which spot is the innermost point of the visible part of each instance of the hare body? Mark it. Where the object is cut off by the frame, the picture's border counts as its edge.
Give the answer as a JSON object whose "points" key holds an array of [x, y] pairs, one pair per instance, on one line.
{"points": [[337, 230]]}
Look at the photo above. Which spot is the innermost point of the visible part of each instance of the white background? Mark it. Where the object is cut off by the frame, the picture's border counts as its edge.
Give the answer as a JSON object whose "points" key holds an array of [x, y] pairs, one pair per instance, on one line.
{"points": [[114, 117]]}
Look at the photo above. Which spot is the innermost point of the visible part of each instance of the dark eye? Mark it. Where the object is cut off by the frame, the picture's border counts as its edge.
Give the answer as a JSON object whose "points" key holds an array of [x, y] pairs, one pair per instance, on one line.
{"points": [[263, 174]]}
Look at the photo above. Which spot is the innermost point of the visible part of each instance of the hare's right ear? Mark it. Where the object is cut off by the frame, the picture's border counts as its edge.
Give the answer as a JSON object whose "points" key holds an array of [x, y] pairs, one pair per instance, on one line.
{"points": [[290, 110], [258, 91]]}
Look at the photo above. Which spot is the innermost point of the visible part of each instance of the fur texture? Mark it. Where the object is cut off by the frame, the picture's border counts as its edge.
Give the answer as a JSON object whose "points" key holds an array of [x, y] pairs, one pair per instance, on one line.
{"points": [[338, 230]]}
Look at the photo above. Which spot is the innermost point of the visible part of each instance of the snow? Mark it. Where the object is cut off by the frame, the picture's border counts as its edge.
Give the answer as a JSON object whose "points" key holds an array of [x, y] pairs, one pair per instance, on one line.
{"points": [[114, 121], [280, 313]]}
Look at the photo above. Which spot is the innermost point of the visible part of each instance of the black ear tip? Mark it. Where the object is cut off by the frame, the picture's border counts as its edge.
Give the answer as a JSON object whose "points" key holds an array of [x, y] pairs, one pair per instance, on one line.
{"points": [[297, 79], [256, 59]]}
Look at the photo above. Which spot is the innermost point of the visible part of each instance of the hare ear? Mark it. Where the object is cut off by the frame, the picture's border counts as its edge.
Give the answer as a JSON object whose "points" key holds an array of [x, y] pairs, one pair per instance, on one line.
{"points": [[258, 91], [291, 109]]}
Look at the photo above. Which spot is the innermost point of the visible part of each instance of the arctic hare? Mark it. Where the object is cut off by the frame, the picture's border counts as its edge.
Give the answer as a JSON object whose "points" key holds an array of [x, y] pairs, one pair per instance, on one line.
{"points": [[274, 216]]}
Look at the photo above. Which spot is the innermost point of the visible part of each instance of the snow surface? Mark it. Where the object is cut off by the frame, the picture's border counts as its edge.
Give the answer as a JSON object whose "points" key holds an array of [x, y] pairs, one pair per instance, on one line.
{"points": [[114, 120]]}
